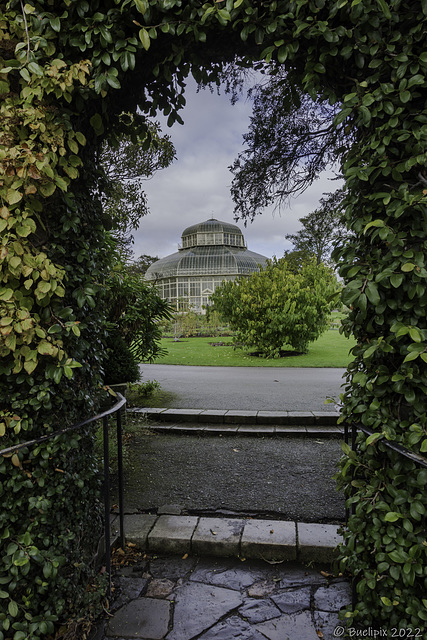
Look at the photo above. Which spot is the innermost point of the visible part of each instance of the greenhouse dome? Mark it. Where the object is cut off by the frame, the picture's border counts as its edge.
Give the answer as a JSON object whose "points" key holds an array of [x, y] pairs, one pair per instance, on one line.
{"points": [[211, 252]]}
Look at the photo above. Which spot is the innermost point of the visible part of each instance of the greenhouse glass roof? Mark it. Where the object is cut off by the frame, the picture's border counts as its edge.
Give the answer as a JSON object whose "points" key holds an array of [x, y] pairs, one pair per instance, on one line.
{"points": [[208, 248]]}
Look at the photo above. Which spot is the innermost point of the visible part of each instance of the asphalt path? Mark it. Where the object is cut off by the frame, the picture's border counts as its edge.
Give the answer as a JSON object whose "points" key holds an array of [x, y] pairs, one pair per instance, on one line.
{"points": [[290, 478], [246, 388]]}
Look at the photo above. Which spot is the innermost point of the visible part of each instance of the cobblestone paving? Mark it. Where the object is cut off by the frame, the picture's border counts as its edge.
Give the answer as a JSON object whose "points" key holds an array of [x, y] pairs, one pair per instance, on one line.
{"points": [[189, 598]]}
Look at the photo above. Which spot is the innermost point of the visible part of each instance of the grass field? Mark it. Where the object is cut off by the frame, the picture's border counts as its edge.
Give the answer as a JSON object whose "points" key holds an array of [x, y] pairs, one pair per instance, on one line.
{"points": [[330, 350]]}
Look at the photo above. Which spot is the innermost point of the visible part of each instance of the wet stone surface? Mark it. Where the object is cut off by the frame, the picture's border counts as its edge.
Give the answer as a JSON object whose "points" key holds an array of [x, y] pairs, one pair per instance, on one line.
{"points": [[190, 598]]}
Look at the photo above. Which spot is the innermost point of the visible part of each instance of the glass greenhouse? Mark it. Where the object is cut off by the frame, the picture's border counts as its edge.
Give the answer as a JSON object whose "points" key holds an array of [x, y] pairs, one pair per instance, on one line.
{"points": [[211, 252]]}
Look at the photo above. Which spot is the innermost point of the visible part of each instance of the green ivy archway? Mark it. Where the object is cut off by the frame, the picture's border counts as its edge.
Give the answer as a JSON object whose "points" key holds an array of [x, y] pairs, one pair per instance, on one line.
{"points": [[68, 70]]}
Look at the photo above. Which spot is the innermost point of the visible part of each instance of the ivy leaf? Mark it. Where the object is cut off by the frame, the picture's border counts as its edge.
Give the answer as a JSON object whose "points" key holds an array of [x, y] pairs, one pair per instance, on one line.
{"points": [[97, 124], [396, 280], [374, 437], [145, 38], [372, 294], [385, 8], [30, 365], [47, 189], [398, 556], [13, 608], [141, 5], [392, 516], [374, 223], [55, 23], [415, 334], [13, 196], [46, 348], [408, 266]]}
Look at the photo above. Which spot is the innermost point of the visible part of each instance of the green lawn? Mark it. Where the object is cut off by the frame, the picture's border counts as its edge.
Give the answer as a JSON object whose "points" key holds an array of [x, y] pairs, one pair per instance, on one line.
{"points": [[330, 350]]}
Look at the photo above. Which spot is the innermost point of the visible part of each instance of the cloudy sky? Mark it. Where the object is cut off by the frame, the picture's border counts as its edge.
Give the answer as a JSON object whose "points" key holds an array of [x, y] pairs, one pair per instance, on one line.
{"points": [[196, 186]]}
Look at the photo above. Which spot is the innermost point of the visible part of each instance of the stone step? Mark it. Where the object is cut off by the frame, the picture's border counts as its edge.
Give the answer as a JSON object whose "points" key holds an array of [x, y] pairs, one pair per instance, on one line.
{"points": [[247, 430], [230, 416], [270, 540]]}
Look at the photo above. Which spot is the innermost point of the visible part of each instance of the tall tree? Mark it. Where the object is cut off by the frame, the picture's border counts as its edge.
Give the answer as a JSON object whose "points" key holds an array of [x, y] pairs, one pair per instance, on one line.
{"points": [[291, 139], [141, 264], [322, 229], [128, 162]]}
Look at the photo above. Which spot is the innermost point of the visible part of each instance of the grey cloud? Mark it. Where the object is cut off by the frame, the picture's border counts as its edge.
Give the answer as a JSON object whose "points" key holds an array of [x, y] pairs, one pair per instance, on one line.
{"points": [[197, 185]]}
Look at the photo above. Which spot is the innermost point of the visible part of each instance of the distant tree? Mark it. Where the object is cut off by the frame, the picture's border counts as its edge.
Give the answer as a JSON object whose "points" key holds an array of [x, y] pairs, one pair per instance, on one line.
{"points": [[296, 260], [276, 306], [127, 164], [291, 139], [141, 264], [322, 229]]}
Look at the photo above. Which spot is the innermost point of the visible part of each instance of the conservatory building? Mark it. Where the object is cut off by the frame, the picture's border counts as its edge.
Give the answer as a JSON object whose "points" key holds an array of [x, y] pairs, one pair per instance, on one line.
{"points": [[210, 253]]}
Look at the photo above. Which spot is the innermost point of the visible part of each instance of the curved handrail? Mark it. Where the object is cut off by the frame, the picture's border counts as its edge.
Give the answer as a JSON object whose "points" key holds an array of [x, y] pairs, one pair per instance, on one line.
{"points": [[414, 457], [104, 415], [118, 405]]}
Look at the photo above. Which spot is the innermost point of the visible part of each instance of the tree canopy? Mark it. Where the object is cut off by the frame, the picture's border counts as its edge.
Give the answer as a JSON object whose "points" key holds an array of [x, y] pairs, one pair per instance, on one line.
{"points": [[291, 140], [322, 229], [277, 307], [127, 163]]}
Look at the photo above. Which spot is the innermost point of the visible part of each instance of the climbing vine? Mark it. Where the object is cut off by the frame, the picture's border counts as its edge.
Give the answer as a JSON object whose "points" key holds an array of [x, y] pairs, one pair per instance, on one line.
{"points": [[68, 70]]}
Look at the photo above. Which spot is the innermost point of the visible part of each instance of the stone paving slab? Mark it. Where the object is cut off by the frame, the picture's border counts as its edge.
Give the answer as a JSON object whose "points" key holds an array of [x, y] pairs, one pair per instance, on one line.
{"points": [[172, 534], [294, 430], [249, 538], [198, 607], [272, 417], [137, 527], [213, 415], [325, 417], [199, 428], [224, 599], [317, 542], [298, 625], [269, 540], [240, 417], [182, 415], [217, 537], [146, 618]]}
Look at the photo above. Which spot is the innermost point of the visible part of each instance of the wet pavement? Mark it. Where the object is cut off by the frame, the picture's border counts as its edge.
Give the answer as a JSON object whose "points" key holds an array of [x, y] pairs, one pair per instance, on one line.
{"points": [[207, 598], [290, 477], [247, 388]]}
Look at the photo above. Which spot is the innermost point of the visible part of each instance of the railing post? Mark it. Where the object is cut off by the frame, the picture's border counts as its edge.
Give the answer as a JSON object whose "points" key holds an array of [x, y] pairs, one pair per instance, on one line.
{"points": [[120, 470], [107, 524]]}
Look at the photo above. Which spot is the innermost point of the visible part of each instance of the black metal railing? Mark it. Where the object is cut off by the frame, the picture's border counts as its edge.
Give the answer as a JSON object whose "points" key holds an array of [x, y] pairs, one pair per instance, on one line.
{"points": [[393, 446], [104, 416]]}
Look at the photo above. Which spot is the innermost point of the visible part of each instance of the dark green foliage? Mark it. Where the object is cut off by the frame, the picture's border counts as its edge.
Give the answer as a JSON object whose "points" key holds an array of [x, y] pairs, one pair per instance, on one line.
{"points": [[49, 493], [120, 365], [136, 311]]}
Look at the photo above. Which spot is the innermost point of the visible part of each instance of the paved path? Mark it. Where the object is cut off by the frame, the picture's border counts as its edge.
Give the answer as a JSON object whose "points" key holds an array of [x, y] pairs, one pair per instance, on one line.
{"points": [[289, 477], [183, 598], [246, 388]]}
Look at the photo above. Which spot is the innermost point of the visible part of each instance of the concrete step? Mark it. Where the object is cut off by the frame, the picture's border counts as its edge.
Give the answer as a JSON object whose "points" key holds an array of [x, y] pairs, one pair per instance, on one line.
{"points": [[230, 416], [270, 540], [264, 423]]}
